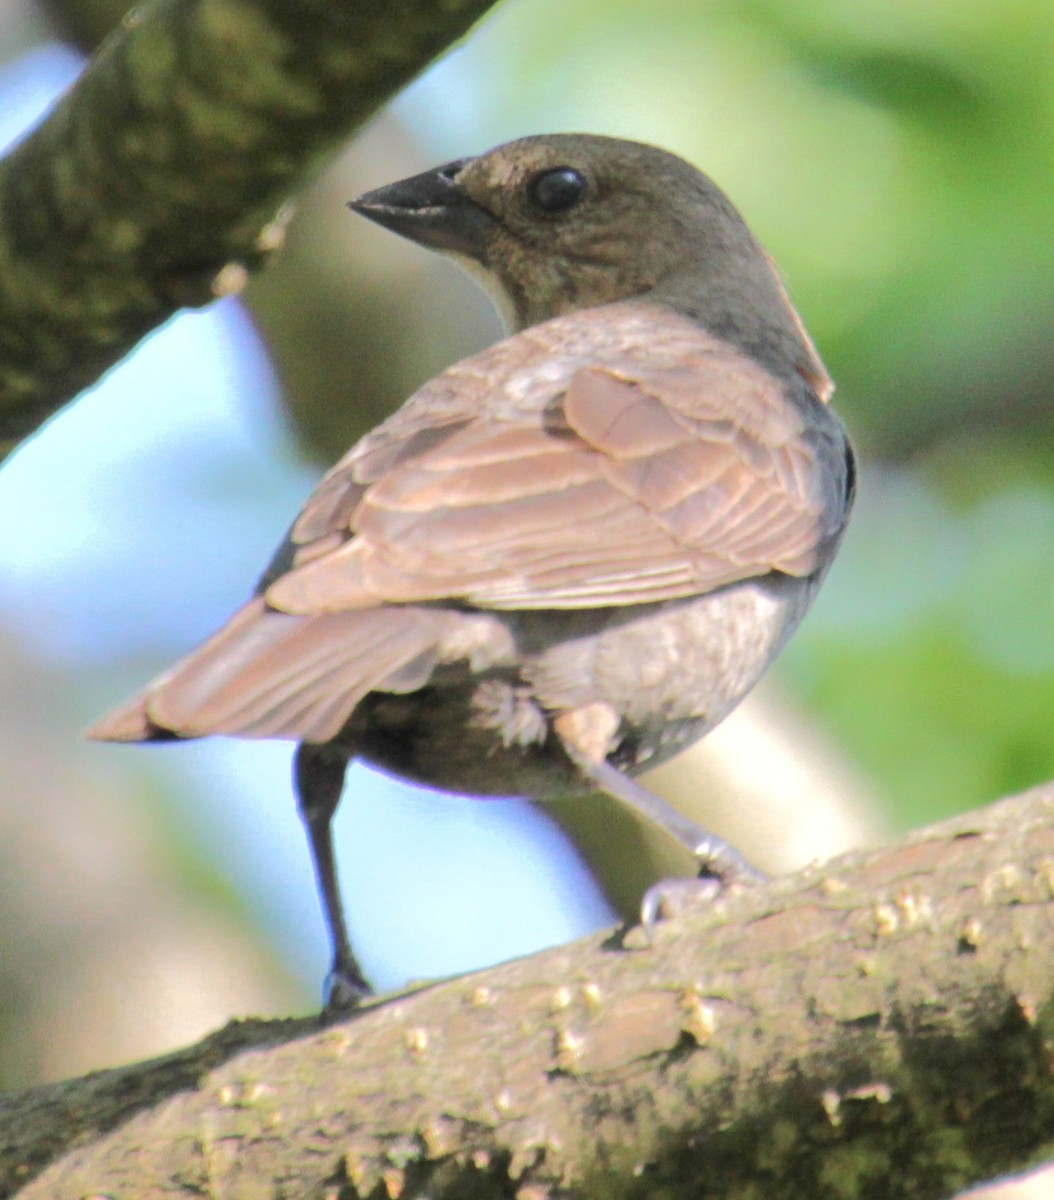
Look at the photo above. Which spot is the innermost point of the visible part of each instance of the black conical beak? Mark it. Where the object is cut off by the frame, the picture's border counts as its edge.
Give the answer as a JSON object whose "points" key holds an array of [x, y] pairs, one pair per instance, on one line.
{"points": [[430, 209]]}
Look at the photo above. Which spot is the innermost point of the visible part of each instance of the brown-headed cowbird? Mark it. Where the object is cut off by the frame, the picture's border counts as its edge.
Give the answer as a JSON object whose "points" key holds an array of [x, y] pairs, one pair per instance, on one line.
{"points": [[563, 559]]}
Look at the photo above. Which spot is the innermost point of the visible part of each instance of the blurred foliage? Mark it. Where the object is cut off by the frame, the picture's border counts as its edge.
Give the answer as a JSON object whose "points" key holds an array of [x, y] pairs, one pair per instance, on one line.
{"points": [[118, 935]]}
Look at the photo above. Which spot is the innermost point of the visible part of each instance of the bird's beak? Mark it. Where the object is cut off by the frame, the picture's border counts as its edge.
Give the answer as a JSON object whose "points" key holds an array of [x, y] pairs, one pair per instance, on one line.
{"points": [[430, 208]]}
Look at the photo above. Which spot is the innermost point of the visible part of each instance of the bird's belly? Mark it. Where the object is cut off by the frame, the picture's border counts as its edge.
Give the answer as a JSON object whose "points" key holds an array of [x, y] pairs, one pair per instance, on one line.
{"points": [[669, 673], [673, 673]]}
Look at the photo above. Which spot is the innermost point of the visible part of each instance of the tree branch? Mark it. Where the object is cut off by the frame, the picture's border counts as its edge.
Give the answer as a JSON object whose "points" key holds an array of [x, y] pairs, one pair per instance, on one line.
{"points": [[154, 183], [880, 1026]]}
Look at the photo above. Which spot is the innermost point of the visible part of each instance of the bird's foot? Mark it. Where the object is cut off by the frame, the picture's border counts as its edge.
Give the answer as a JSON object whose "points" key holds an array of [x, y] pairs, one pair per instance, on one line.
{"points": [[721, 866], [343, 992], [669, 898], [722, 869]]}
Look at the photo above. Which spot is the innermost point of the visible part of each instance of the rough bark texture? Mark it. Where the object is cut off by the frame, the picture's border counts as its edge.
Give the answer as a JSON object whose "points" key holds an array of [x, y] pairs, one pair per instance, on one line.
{"points": [[155, 182], [877, 1027]]}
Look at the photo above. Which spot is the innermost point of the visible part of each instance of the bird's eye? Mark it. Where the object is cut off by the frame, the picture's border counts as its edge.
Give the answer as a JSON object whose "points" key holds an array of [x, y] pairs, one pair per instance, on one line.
{"points": [[557, 190]]}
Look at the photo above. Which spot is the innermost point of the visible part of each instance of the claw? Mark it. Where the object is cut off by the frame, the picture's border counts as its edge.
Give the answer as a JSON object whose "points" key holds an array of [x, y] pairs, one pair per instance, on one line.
{"points": [[670, 898], [341, 994]]}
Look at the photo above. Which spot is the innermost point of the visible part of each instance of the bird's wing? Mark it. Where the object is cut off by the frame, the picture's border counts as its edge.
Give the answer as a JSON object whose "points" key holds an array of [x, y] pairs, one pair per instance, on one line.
{"points": [[271, 674], [635, 483], [659, 475]]}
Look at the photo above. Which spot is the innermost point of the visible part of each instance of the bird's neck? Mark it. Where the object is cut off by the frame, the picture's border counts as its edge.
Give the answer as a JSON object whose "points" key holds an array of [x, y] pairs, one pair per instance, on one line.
{"points": [[751, 311]]}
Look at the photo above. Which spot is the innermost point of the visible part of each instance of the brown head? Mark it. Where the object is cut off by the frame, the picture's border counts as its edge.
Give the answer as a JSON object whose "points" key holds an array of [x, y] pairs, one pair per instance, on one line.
{"points": [[568, 221]]}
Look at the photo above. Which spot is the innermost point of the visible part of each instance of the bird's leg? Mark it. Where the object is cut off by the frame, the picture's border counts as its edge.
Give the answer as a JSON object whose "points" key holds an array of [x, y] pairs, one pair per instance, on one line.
{"points": [[585, 734], [318, 776]]}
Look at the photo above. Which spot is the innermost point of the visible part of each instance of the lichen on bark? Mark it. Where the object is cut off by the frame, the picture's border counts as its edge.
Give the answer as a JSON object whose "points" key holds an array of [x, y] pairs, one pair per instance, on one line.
{"points": [[167, 162]]}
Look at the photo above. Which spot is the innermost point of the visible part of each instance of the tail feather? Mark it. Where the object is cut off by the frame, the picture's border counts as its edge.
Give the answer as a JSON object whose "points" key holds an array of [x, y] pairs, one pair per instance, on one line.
{"points": [[279, 675]]}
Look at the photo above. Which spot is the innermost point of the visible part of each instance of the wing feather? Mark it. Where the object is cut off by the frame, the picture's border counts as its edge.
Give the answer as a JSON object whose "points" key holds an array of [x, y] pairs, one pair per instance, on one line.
{"points": [[621, 491], [272, 674]]}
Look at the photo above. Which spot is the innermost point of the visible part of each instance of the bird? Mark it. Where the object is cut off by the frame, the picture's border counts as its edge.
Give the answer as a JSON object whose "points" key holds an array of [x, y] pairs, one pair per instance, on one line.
{"points": [[566, 557]]}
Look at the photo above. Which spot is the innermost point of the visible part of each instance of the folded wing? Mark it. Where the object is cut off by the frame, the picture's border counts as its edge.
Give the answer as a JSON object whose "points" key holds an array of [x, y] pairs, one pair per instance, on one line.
{"points": [[620, 495], [649, 478]]}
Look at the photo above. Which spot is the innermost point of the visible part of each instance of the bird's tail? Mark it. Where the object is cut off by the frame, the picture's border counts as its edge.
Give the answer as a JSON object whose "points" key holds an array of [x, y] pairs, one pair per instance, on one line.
{"points": [[270, 674]]}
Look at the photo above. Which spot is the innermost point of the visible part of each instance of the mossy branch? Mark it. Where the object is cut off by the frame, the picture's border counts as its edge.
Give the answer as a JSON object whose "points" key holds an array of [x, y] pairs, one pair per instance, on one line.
{"points": [[877, 1026], [155, 182]]}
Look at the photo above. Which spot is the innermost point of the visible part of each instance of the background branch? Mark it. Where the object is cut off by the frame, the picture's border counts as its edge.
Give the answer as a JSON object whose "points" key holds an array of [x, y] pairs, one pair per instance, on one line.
{"points": [[154, 183], [878, 1026]]}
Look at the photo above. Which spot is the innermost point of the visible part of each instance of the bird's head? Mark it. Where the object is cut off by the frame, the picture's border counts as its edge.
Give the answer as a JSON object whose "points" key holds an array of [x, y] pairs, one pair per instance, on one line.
{"points": [[561, 222]]}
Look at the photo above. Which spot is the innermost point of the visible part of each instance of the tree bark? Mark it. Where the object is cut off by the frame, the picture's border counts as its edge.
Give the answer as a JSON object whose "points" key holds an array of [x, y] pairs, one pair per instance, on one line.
{"points": [[880, 1026], [155, 182]]}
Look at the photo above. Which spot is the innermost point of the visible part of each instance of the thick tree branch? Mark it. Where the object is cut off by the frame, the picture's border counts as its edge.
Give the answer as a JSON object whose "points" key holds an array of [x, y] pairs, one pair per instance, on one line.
{"points": [[155, 182], [881, 1026]]}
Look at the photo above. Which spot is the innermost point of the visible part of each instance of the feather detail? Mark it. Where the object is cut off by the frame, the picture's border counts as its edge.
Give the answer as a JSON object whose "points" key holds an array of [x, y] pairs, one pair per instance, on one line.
{"points": [[272, 674]]}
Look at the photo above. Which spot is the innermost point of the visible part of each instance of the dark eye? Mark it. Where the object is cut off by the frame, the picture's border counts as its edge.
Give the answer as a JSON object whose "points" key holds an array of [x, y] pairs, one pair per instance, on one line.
{"points": [[557, 190]]}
